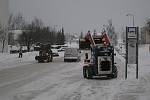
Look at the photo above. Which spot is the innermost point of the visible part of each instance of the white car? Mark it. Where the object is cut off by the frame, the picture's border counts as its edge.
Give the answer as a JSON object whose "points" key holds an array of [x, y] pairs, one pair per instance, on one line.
{"points": [[71, 54], [55, 52], [61, 49]]}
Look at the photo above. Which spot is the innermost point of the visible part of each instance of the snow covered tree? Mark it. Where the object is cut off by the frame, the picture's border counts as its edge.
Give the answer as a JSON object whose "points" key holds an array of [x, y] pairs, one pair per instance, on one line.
{"points": [[81, 35]]}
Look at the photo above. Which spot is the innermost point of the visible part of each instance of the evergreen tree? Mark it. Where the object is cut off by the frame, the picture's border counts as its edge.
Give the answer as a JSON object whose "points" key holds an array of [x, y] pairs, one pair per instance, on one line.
{"points": [[81, 35]]}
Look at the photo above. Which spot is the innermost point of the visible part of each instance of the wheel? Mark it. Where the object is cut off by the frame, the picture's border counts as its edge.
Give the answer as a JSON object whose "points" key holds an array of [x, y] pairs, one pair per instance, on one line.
{"points": [[78, 60], [49, 59], [65, 60], [87, 73], [84, 73], [115, 75], [115, 72], [40, 61]]}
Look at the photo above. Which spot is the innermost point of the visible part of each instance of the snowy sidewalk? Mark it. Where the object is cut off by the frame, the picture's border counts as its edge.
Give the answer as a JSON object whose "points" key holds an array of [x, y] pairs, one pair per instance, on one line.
{"points": [[136, 89], [11, 60]]}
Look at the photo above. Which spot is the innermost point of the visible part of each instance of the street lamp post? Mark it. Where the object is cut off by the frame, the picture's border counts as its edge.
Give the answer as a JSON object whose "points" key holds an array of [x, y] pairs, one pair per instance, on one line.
{"points": [[132, 17]]}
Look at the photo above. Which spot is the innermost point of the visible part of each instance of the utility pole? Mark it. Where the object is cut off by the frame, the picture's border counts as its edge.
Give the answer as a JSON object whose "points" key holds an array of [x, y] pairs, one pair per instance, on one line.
{"points": [[129, 14]]}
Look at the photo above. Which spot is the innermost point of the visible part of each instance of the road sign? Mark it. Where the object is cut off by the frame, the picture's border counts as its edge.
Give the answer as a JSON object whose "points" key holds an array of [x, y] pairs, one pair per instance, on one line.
{"points": [[132, 51], [132, 32], [132, 48]]}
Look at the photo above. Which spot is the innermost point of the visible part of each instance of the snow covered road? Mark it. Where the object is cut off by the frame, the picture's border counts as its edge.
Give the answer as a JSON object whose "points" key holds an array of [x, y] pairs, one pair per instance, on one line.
{"points": [[64, 81], [53, 81]]}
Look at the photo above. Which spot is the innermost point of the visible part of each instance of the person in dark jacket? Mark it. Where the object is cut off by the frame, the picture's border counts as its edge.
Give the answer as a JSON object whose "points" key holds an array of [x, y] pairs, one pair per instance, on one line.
{"points": [[20, 53]]}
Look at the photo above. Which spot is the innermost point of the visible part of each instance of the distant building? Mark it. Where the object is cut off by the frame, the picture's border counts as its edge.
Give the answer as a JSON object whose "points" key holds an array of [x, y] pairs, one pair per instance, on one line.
{"points": [[4, 14], [13, 36], [145, 35]]}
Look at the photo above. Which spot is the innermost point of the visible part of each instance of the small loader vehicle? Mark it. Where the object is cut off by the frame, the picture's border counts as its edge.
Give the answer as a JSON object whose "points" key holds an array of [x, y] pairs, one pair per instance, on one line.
{"points": [[45, 54], [101, 63]]}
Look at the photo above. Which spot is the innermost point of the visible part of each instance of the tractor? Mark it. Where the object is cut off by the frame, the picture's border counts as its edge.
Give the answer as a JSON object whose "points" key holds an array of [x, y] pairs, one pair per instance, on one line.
{"points": [[45, 53], [101, 62]]}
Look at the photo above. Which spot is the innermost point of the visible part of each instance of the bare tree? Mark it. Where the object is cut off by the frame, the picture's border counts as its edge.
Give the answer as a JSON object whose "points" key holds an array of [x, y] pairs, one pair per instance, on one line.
{"points": [[3, 36], [10, 22], [16, 22], [37, 23]]}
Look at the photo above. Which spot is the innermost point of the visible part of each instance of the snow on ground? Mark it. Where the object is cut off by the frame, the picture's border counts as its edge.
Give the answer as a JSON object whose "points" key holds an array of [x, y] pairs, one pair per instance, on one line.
{"points": [[136, 89], [67, 84], [74, 44], [64, 81], [11, 60]]}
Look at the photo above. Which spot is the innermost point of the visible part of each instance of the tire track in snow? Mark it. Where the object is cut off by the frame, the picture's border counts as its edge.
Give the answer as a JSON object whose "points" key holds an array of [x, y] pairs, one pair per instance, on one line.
{"points": [[75, 87], [60, 79], [134, 89], [70, 85]]}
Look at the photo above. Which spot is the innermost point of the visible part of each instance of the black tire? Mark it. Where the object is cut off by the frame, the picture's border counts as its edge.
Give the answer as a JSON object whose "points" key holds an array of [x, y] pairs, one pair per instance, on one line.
{"points": [[78, 60], [87, 73], [48, 60], [114, 75], [51, 59], [65, 60], [40, 61], [115, 72], [84, 73]]}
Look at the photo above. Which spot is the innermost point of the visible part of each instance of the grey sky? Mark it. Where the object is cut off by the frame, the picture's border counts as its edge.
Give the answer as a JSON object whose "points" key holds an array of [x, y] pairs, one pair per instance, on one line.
{"points": [[81, 15]]}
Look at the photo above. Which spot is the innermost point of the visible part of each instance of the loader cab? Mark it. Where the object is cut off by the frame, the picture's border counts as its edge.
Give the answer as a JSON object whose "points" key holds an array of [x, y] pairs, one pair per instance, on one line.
{"points": [[97, 39], [103, 59], [101, 50], [102, 62]]}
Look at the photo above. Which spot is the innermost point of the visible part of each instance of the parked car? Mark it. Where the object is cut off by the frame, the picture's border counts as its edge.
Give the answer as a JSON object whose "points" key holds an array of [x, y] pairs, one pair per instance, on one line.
{"points": [[71, 54], [61, 49], [55, 52]]}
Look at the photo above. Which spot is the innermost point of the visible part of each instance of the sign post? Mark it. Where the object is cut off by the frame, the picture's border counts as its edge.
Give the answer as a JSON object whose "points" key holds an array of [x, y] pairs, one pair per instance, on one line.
{"points": [[131, 48]]}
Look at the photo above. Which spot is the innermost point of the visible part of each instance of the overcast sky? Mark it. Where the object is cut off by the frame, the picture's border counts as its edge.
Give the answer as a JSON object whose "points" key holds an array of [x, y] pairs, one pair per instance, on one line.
{"points": [[82, 15]]}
